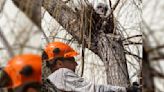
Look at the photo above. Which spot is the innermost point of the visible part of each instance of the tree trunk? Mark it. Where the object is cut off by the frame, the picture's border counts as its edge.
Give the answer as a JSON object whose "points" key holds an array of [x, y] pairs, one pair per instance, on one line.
{"points": [[110, 50], [97, 37], [103, 43], [147, 75]]}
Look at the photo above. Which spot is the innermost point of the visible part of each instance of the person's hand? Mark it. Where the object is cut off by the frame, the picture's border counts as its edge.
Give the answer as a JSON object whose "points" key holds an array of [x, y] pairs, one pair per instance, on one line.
{"points": [[134, 88]]}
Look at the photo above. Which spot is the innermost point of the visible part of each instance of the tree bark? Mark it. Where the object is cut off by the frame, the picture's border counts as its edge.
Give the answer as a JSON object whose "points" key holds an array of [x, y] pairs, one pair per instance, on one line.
{"points": [[110, 50], [147, 75], [97, 37]]}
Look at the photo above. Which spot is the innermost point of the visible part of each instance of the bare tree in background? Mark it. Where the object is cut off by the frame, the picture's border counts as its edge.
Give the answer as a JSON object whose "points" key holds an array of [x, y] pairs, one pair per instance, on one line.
{"points": [[153, 75]]}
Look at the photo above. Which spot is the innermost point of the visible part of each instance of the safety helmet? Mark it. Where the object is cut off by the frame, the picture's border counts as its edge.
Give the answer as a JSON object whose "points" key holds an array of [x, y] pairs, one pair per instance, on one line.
{"points": [[23, 69], [59, 49]]}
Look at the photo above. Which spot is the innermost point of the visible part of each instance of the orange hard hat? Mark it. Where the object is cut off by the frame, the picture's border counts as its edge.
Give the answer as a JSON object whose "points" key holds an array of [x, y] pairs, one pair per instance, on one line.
{"points": [[24, 69], [59, 49]]}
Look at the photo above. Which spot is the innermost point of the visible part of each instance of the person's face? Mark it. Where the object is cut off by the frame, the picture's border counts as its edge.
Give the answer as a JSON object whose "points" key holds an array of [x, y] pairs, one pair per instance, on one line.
{"points": [[69, 63], [31, 90]]}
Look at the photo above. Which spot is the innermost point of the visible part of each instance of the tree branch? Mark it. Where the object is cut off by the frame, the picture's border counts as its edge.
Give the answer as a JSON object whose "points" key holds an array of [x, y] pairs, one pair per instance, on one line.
{"points": [[157, 58], [129, 53], [64, 15], [132, 37], [133, 43], [157, 74], [156, 48], [32, 9], [6, 44], [114, 7]]}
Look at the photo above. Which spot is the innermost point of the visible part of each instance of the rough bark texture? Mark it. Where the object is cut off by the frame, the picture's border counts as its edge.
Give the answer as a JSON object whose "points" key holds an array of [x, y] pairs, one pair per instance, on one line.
{"points": [[64, 15], [97, 36], [111, 52]]}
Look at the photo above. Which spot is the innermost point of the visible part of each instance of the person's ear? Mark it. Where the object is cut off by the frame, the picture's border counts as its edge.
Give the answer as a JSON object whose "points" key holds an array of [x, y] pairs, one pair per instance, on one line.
{"points": [[59, 64]]}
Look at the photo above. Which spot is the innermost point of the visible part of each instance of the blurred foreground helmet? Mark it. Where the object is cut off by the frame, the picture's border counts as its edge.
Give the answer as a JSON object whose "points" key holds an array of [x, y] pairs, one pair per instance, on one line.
{"points": [[20, 70]]}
